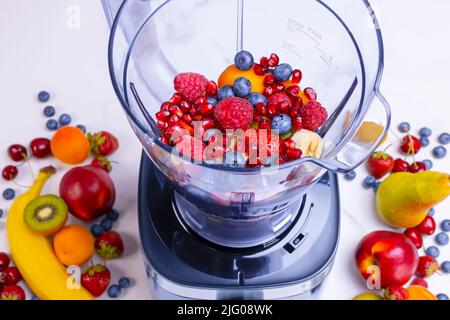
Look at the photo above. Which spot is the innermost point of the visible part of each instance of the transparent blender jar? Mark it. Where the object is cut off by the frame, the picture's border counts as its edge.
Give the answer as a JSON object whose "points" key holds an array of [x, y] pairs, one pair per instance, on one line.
{"points": [[336, 44]]}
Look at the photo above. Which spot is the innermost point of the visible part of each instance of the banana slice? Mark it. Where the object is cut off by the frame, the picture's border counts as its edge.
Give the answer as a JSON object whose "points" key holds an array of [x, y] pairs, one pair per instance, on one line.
{"points": [[309, 142]]}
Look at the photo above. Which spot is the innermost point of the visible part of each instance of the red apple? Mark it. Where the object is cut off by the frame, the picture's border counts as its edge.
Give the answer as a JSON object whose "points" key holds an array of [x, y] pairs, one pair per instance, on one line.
{"points": [[88, 191], [392, 252]]}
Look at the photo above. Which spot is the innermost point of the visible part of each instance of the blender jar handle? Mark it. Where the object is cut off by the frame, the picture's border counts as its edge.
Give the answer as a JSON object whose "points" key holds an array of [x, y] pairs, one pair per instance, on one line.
{"points": [[356, 151]]}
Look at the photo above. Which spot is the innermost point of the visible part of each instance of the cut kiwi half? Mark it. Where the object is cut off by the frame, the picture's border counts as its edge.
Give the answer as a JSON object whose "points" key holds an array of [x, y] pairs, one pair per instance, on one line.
{"points": [[46, 214]]}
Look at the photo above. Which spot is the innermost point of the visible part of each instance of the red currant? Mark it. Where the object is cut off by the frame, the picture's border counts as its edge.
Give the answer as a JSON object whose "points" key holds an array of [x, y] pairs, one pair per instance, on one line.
{"points": [[40, 147], [274, 60], [10, 172], [17, 152]]}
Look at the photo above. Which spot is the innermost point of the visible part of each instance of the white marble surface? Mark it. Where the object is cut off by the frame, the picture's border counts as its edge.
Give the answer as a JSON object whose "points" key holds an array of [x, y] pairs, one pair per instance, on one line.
{"points": [[40, 52]]}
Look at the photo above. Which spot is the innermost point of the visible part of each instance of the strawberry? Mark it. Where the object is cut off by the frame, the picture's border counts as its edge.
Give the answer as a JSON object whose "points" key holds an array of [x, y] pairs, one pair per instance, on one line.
{"points": [[379, 164], [427, 266], [102, 162], [96, 279], [12, 292], [103, 143], [109, 245], [395, 293]]}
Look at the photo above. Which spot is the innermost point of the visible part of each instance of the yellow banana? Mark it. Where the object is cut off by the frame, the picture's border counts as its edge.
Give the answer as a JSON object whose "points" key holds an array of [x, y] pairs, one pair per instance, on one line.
{"points": [[309, 142], [33, 253]]}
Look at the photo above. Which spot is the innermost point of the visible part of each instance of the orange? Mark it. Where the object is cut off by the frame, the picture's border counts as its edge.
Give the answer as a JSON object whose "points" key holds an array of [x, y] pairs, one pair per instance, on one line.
{"points": [[70, 145], [73, 245], [231, 73], [419, 293]]}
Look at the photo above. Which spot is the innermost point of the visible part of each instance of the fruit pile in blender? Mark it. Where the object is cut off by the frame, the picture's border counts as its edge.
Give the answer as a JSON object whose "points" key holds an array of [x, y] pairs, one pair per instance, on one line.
{"points": [[264, 96]]}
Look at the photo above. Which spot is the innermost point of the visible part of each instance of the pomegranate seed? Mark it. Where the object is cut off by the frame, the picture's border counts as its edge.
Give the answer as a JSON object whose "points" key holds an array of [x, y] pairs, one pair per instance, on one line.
{"points": [[269, 80], [278, 87], [297, 76], [192, 111], [310, 94], [186, 118], [264, 124], [176, 98], [283, 107], [211, 89], [165, 106], [175, 110], [297, 123], [294, 154], [208, 123], [174, 119], [200, 101], [206, 109], [185, 107], [197, 117], [162, 115], [175, 131], [187, 127], [164, 139], [257, 117], [289, 143], [268, 91], [264, 62], [274, 60], [272, 111], [259, 69], [297, 102], [293, 91], [295, 112], [283, 158], [261, 109], [162, 125]]}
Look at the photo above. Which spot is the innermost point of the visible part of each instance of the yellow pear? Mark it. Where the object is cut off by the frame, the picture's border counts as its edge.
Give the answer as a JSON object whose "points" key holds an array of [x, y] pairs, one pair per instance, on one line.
{"points": [[403, 199]]}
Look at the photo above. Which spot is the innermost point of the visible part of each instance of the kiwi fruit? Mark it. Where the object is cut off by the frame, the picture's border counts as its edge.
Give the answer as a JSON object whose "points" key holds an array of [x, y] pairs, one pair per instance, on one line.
{"points": [[46, 214]]}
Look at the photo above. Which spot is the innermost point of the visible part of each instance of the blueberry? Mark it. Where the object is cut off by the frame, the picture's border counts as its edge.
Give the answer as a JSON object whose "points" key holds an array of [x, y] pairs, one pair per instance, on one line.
{"points": [[244, 60], [428, 164], [255, 98], [124, 282], [439, 152], [43, 96], [82, 128], [49, 111], [65, 119], [433, 251], [212, 101], [282, 123], [445, 225], [225, 92], [442, 296], [425, 132], [369, 182], [9, 194], [106, 224], [444, 138], [114, 291], [234, 159], [52, 124], [431, 212], [34, 297], [445, 266], [1, 213], [424, 141], [113, 215], [404, 127], [350, 176], [283, 72], [442, 239], [376, 186], [97, 230], [242, 87]]}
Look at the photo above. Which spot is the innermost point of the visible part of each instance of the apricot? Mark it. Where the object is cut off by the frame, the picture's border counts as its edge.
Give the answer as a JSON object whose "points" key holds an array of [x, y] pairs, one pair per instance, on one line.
{"points": [[70, 145], [73, 245], [231, 73], [419, 293]]}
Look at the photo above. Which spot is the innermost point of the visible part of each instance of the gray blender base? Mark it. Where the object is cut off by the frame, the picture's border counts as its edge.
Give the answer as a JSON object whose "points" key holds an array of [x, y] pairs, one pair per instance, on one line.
{"points": [[182, 265]]}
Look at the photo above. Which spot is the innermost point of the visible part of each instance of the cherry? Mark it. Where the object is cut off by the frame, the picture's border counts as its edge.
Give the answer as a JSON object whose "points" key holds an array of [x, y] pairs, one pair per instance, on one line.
{"points": [[400, 166], [40, 147], [4, 260], [17, 152], [297, 76], [211, 89], [428, 226], [12, 275], [9, 172], [294, 154], [410, 145], [310, 94], [274, 60], [417, 167], [415, 236]]}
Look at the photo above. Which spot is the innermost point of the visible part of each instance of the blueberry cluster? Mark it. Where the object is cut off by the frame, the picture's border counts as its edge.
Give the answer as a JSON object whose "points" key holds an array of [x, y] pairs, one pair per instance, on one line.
{"points": [[106, 224], [115, 290]]}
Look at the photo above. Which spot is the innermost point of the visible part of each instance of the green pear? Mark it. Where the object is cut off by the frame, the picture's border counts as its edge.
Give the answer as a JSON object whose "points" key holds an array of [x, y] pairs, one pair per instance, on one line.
{"points": [[403, 199]]}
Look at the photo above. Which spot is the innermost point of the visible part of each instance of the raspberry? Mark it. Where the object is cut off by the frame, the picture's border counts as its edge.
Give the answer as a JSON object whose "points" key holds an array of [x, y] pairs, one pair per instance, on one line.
{"points": [[313, 116], [191, 86], [279, 98], [234, 113]]}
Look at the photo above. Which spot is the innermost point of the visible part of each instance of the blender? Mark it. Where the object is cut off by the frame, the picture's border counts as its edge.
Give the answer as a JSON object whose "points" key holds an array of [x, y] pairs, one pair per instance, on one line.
{"points": [[210, 232]]}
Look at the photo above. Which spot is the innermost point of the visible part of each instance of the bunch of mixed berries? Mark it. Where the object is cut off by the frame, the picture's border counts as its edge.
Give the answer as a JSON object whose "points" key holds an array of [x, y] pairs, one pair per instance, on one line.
{"points": [[263, 96]]}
